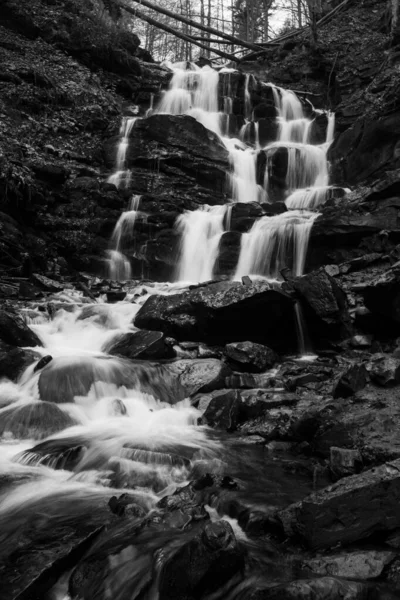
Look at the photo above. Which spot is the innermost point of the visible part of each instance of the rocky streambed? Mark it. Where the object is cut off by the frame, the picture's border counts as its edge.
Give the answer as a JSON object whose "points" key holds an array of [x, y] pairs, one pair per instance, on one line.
{"points": [[171, 440]]}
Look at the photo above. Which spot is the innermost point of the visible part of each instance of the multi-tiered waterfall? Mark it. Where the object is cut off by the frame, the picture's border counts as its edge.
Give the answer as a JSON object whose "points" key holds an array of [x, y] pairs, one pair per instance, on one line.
{"points": [[274, 242]]}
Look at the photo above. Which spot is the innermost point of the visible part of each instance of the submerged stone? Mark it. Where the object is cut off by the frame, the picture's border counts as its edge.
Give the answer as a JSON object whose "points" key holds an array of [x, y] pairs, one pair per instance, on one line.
{"points": [[35, 420]]}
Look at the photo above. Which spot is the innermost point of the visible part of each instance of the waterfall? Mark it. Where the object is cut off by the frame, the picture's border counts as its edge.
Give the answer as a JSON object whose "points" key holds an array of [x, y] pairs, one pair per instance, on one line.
{"points": [[201, 232], [243, 179], [273, 242], [119, 267], [121, 175]]}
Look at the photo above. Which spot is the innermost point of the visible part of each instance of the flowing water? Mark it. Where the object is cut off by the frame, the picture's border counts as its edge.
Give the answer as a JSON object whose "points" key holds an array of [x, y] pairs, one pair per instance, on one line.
{"points": [[88, 426]]}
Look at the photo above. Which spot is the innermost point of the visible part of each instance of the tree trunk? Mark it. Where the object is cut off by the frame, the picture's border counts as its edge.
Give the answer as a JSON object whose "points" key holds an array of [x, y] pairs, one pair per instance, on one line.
{"points": [[140, 15], [190, 22], [299, 19]]}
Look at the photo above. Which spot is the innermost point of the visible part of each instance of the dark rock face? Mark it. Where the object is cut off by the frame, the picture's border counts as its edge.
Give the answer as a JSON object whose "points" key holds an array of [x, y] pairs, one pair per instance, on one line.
{"points": [[326, 518], [13, 361], [143, 345], [382, 296], [325, 303], [15, 332], [223, 410], [25, 568], [202, 565], [384, 370], [351, 381], [202, 375], [251, 357], [364, 149], [222, 312]]}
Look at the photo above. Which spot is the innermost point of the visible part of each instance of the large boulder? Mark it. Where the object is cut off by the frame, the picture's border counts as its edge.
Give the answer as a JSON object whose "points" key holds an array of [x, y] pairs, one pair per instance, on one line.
{"points": [[14, 331], [325, 304], [177, 144], [200, 375], [202, 565], [141, 344], [249, 356], [223, 409], [223, 312], [350, 510], [352, 380]]}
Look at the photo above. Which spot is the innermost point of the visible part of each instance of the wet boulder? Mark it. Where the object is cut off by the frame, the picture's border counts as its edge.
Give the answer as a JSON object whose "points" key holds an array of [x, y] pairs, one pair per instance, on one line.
{"points": [[14, 331], [223, 410], [44, 536], [223, 312], [228, 254], [352, 509], [14, 361], [353, 380], [202, 565], [243, 215], [142, 344], [344, 462], [249, 356], [367, 564], [384, 370], [36, 420], [200, 375], [325, 304], [173, 137]]}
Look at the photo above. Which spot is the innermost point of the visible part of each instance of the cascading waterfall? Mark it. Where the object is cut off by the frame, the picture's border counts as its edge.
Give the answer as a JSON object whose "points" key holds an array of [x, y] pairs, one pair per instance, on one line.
{"points": [[119, 267], [122, 177], [276, 242], [273, 242], [201, 232]]}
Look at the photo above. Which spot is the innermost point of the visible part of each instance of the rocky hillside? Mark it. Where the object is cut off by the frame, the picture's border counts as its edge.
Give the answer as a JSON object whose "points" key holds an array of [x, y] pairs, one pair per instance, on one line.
{"points": [[66, 74]]}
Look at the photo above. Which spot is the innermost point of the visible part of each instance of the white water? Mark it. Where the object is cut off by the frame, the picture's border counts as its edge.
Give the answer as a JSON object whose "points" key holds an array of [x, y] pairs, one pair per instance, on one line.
{"points": [[121, 176], [273, 242], [201, 232], [118, 265], [124, 418]]}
